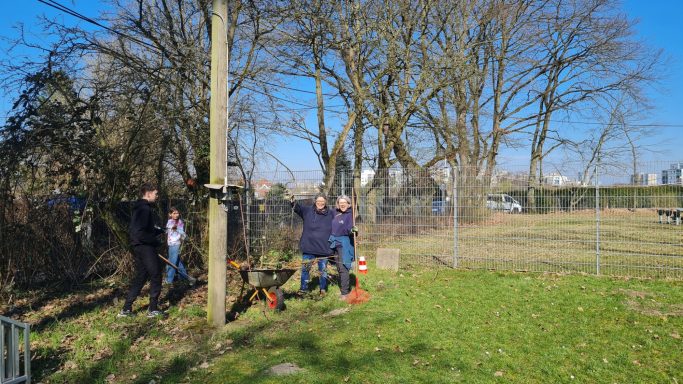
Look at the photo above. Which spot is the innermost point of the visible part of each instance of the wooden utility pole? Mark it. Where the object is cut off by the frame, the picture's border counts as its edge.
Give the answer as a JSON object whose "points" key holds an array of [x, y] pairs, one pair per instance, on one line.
{"points": [[218, 122]]}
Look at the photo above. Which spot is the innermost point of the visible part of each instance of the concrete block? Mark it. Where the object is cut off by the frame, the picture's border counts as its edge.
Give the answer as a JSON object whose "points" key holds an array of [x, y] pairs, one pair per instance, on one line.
{"points": [[387, 258]]}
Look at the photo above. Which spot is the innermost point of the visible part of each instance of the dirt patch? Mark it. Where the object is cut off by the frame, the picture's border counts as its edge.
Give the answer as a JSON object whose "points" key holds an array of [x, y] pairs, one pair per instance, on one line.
{"points": [[654, 308], [634, 293], [644, 303]]}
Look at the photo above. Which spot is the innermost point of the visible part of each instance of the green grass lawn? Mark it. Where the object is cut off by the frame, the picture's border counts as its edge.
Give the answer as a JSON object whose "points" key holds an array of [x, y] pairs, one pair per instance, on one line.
{"points": [[425, 326]]}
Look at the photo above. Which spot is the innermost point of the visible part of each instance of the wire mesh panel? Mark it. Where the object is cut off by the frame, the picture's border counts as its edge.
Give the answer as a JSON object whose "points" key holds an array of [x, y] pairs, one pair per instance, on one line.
{"points": [[506, 223], [608, 219], [605, 221], [409, 211], [262, 222], [634, 240]]}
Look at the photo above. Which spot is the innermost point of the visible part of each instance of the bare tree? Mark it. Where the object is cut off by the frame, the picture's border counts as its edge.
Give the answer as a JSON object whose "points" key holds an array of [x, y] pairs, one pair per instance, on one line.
{"points": [[589, 59]]}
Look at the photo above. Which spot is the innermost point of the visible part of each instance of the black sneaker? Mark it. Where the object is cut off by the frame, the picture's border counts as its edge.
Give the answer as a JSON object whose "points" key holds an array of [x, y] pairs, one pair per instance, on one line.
{"points": [[157, 313], [125, 313]]}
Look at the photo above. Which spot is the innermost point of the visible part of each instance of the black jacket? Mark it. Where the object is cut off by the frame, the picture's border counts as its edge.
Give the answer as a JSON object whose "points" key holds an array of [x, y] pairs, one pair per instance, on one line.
{"points": [[144, 228]]}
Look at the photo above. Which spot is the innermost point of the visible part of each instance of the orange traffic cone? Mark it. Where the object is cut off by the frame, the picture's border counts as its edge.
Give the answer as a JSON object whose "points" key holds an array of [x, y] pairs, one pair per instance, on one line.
{"points": [[362, 267]]}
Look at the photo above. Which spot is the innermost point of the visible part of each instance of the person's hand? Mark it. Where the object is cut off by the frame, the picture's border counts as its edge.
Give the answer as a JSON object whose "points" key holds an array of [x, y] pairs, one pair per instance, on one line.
{"points": [[175, 227], [354, 230]]}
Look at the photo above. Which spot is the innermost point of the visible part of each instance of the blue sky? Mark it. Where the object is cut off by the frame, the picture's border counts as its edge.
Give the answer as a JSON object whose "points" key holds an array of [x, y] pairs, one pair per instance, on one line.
{"points": [[659, 25], [27, 12]]}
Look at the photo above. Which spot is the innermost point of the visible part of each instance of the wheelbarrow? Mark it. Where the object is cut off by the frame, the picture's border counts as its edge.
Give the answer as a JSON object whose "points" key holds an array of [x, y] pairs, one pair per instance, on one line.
{"points": [[269, 282]]}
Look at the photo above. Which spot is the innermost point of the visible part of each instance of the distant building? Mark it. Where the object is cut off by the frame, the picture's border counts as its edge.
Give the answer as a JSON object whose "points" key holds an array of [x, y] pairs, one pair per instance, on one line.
{"points": [[304, 190], [644, 179], [395, 173], [261, 189], [441, 174], [366, 176], [673, 175], [556, 179]]}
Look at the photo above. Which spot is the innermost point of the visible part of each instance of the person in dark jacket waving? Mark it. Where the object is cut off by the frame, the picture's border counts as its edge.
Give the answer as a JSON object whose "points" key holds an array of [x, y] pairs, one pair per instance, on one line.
{"points": [[144, 232], [314, 242]]}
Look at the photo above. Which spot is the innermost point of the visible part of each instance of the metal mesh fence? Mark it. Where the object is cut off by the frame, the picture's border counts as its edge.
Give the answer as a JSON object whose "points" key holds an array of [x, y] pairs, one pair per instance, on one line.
{"points": [[603, 220], [606, 222]]}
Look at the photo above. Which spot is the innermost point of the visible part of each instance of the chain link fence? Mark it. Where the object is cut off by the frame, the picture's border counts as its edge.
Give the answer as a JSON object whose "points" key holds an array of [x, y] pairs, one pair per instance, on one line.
{"points": [[606, 219]]}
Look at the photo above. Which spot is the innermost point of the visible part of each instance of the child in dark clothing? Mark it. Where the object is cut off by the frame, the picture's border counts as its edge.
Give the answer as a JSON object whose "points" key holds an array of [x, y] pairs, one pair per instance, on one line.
{"points": [[143, 232]]}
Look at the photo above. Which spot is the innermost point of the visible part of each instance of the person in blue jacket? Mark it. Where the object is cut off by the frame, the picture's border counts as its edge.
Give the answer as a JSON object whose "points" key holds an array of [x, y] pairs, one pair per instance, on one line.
{"points": [[314, 243], [341, 242]]}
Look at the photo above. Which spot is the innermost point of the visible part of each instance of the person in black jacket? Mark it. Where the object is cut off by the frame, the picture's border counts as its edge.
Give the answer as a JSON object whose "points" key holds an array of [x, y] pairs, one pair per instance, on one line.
{"points": [[144, 232], [314, 242]]}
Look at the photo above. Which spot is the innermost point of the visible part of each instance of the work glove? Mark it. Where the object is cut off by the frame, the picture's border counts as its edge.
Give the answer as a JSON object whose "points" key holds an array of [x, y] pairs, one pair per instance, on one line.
{"points": [[354, 230]]}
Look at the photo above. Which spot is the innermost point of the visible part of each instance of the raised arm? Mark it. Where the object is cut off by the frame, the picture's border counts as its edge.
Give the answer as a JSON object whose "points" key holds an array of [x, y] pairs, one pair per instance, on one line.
{"points": [[298, 209]]}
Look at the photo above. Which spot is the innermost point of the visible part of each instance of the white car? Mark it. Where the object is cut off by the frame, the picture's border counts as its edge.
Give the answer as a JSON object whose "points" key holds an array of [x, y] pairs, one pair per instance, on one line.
{"points": [[503, 202]]}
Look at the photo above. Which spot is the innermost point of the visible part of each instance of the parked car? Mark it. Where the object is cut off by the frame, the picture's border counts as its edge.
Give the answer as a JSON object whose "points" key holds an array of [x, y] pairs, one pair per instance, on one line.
{"points": [[503, 202], [438, 207], [73, 203]]}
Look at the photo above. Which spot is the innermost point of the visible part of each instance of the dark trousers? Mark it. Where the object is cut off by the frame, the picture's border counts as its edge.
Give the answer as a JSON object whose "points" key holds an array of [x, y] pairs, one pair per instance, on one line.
{"points": [[147, 267], [343, 272]]}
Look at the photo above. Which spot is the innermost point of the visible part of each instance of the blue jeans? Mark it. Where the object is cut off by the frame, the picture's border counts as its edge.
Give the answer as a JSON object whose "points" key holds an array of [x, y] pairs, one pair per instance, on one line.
{"points": [[173, 253], [306, 267]]}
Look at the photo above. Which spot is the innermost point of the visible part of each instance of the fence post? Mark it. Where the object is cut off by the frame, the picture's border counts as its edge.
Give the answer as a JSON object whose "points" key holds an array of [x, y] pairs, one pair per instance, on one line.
{"points": [[27, 353], [15, 345], [2, 351], [455, 216], [597, 219]]}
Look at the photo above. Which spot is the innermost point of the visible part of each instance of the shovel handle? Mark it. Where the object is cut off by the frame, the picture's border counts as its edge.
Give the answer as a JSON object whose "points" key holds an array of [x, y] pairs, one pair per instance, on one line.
{"points": [[168, 262], [173, 266]]}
